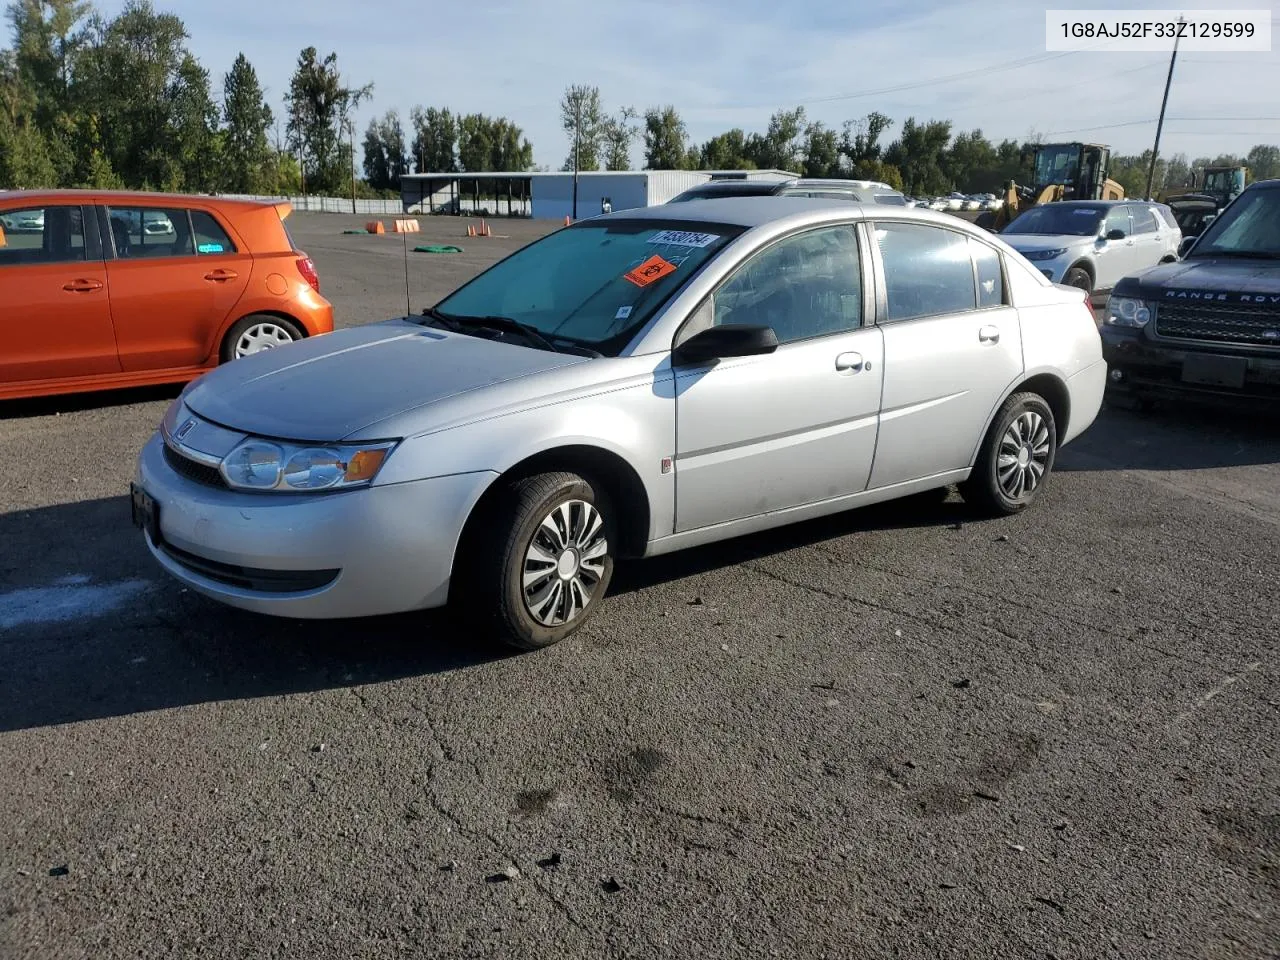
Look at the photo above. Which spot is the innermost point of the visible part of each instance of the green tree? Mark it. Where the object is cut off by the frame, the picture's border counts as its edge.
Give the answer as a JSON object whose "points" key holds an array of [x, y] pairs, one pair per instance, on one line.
{"points": [[246, 150], [511, 150], [822, 152], [435, 140], [918, 154], [319, 106], [726, 151], [195, 137], [970, 163], [782, 146], [1263, 161], [583, 120], [666, 144], [385, 161], [860, 141], [618, 136]]}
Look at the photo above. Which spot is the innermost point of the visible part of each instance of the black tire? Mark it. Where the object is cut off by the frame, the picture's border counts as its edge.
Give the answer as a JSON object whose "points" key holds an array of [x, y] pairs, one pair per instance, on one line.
{"points": [[983, 490], [1079, 277], [240, 327], [490, 594]]}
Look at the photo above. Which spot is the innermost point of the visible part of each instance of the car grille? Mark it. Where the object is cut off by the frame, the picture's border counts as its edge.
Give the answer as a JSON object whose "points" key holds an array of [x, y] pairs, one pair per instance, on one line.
{"points": [[192, 470], [1220, 322]]}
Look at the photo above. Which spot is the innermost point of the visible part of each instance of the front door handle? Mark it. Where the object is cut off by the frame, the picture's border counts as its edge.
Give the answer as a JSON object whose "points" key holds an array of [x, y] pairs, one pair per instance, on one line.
{"points": [[850, 362], [82, 286], [989, 334], [219, 275]]}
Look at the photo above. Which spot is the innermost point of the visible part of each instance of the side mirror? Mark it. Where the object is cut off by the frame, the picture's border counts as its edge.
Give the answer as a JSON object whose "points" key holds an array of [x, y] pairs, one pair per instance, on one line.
{"points": [[1116, 234], [728, 340], [1185, 246]]}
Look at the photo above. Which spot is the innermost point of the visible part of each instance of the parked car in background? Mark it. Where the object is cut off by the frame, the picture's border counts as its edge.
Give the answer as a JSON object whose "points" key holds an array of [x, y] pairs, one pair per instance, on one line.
{"points": [[125, 289], [1209, 323], [637, 383], [857, 191], [1091, 244]]}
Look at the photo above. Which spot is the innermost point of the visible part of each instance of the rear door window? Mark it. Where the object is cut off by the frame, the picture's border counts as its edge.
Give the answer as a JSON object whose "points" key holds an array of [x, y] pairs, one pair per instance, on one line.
{"points": [[990, 276], [148, 233], [211, 239], [928, 271], [1144, 221]]}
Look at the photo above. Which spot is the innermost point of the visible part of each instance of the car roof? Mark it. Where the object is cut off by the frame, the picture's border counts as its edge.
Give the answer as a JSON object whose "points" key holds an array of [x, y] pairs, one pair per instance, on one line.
{"points": [[131, 196], [757, 211], [1093, 203]]}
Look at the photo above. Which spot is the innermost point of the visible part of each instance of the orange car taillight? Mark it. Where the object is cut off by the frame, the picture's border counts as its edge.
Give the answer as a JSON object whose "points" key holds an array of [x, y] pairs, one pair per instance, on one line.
{"points": [[307, 267]]}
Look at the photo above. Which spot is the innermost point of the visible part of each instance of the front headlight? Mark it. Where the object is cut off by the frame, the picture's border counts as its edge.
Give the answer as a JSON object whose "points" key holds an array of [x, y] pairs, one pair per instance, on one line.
{"points": [[267, 466], [1128, 312], [1045, 254]]}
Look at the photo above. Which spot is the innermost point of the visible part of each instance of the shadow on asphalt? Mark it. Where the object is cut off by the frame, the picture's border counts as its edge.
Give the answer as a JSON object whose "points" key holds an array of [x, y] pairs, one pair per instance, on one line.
{"points": [[1186, 434], [97, 400], [91, 628]]}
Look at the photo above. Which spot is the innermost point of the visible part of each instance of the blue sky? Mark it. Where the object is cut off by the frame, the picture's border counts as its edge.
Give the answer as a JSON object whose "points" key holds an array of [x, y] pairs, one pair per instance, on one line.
{"points": [[724, 64]]}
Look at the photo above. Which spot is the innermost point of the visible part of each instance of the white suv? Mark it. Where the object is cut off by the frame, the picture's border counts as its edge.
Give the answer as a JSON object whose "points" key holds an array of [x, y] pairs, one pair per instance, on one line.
{"points": [[1091, 244]]}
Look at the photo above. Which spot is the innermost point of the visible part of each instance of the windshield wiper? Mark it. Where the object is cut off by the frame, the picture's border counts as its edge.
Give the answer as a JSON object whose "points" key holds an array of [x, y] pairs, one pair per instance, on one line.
{"points": [[505, 324]]}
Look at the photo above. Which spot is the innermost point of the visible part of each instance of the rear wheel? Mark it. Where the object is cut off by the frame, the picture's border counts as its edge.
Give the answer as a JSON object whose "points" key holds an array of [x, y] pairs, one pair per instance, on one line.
{"points": [[539, 561], [1079, 277], [256, 333], [1016, 458]]}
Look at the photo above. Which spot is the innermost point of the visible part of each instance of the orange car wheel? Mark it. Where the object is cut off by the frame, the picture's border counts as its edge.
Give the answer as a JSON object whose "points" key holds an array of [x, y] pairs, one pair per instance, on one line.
{"points": [[258, 331]]}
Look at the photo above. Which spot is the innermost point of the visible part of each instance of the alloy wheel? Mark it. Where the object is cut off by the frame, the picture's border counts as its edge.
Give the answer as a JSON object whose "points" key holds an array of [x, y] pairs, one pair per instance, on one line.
{"points": [[564, 563], [1023, 456]]}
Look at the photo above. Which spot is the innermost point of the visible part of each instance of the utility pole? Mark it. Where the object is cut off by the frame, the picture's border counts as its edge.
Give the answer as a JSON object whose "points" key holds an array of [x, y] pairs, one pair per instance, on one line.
{"points": [[351, 131], [577, 139], [1155, 151]]}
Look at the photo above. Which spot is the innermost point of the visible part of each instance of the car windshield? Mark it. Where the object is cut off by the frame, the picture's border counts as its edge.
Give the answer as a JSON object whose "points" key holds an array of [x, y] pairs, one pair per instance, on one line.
{"points": [[1057, 219], [593, 284], [1057, 165], [1250, 227]]}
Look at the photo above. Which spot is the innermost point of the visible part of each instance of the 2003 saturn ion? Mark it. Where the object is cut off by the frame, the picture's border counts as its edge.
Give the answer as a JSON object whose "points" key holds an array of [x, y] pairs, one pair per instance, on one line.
{"points": [[634, 384]]}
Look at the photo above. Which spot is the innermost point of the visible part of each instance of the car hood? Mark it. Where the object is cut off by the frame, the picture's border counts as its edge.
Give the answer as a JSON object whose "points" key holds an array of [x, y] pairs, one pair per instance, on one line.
{"points": [[1034, 242], [1222, 280], [328, 388]]}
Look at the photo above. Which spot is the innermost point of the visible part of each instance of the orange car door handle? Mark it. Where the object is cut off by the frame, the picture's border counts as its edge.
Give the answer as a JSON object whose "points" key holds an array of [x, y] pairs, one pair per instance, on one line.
{"points": [[83, 286], [221, 275]]}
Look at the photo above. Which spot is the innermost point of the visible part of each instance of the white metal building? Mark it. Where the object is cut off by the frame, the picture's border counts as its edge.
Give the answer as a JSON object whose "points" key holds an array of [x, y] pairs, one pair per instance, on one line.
{"points": [[549, 195]]}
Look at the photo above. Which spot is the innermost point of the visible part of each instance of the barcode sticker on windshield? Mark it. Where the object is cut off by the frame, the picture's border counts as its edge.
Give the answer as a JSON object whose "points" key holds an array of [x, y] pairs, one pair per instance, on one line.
{"points": [[684, 238]]}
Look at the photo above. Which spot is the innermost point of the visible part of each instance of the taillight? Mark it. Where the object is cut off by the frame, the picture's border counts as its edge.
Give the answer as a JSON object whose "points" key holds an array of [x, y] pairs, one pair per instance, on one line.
{"points": [[307, 267]]}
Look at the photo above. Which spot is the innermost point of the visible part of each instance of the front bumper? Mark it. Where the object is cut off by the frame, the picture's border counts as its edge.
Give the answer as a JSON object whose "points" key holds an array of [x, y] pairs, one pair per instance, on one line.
{"points": [[1139, 363], [366, 552]]}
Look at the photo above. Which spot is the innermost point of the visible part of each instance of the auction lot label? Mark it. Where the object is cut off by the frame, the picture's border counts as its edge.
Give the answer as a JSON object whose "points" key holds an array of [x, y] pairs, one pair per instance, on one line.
{"points": [[1127, 31]]}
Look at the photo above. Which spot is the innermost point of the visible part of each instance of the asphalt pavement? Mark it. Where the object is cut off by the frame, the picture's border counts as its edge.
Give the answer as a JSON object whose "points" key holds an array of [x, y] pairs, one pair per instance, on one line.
{"points": [[900, 732]]}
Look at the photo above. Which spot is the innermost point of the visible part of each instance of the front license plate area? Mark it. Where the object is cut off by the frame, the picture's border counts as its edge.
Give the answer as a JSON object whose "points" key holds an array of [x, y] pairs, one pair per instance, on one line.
{"points": [[145, 512], [1215, 371]]}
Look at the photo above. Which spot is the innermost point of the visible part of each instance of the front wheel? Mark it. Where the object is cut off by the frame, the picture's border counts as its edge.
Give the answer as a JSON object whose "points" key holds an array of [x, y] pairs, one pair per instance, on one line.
{"points": [[1016, 458], [1079, 277], [539, 562]]}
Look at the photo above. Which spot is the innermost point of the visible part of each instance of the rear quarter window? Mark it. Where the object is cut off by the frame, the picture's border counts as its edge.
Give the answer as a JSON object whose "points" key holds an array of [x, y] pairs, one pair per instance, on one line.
{"points": [[211, 238]]}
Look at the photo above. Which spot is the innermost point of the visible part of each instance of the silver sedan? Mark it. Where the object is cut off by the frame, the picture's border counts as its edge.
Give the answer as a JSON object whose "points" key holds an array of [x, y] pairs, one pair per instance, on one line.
{"points": [[631, 385]]}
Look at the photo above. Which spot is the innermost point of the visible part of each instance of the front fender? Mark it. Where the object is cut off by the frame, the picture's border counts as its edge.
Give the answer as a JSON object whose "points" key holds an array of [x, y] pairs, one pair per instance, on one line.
{"points": [[635, 424]]}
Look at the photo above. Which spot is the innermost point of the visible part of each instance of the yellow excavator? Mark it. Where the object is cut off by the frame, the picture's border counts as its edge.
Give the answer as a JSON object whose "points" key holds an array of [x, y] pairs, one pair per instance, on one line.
{"points": [[1063, 171]]}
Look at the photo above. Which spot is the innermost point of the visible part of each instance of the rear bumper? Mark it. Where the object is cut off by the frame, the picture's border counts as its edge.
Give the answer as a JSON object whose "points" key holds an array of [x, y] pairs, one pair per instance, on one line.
{"points": [[1141, 365]]}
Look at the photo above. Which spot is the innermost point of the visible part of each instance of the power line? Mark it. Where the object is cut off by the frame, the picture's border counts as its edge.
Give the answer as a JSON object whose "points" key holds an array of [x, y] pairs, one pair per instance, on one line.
{"points": [[934, 81], [1138, 123]]}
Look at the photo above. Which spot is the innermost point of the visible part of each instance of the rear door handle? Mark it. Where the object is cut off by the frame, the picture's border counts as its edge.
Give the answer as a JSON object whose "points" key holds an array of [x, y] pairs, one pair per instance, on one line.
{"points": [[850, 362], [989, 334], [82, 286], [221, 275]]}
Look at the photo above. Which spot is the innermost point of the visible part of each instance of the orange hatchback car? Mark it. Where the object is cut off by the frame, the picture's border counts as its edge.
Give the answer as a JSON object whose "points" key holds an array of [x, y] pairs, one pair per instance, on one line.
{"points": [[102, 290]]}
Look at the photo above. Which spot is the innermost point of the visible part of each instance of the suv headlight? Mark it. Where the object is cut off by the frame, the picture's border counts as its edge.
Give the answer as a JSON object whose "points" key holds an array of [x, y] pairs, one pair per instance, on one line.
{"points": [[1045, 254], [267, 466], [1128, 312]]}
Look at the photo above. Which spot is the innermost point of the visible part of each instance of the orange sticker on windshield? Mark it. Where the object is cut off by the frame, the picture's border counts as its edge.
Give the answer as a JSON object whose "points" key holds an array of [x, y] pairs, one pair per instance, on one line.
{"points": [[655, 268]]}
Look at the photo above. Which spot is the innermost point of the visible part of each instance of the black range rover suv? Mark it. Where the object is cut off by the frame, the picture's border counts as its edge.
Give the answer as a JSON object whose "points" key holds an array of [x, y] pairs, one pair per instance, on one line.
{"points": [[1209, 323]]}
